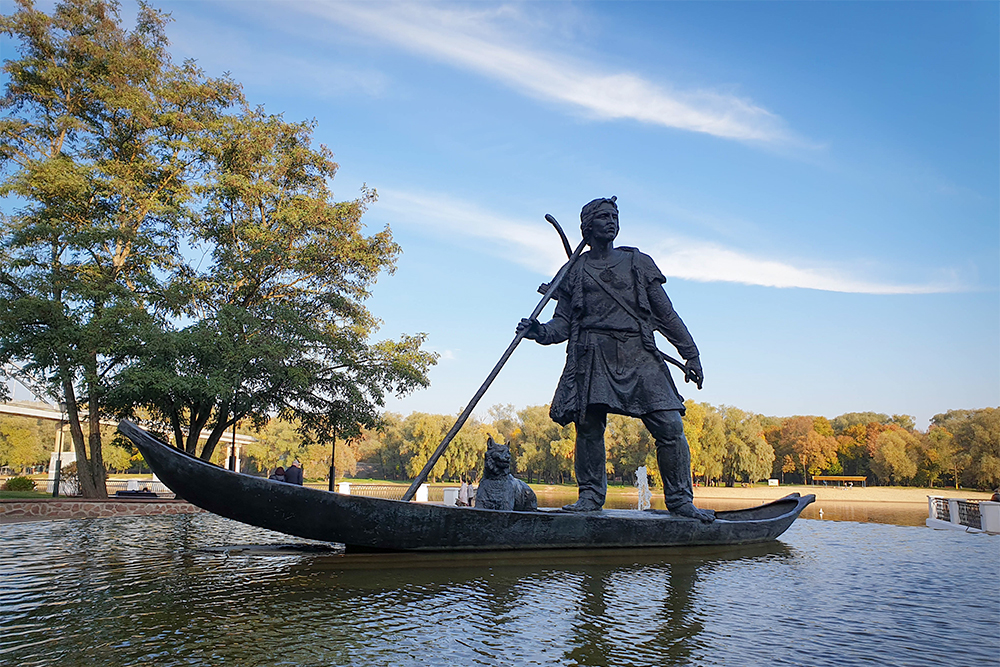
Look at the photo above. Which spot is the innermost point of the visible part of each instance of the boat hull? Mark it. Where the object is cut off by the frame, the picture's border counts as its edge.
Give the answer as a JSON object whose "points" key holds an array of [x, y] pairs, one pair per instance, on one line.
{"points": [[392, 525]]}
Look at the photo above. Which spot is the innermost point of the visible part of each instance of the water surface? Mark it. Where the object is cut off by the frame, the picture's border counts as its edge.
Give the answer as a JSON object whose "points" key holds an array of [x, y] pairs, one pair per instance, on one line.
{"points": [[202, 590]]}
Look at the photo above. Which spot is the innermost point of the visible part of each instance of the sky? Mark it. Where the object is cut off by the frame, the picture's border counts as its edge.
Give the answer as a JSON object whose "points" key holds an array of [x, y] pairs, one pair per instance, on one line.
{"points": [[819, 182]]}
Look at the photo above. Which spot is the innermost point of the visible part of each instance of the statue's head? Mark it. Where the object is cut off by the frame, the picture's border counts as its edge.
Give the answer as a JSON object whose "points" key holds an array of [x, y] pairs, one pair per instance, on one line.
{"points": [[595, 208], [497, 460]]}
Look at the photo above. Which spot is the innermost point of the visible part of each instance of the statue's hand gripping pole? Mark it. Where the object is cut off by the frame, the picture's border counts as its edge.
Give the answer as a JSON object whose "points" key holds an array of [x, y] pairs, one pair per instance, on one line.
{"points": [[553, 286]]}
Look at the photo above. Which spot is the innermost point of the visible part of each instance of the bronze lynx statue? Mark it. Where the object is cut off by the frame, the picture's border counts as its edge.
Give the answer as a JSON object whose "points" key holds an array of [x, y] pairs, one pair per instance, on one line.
{"points": [[500, 490]]}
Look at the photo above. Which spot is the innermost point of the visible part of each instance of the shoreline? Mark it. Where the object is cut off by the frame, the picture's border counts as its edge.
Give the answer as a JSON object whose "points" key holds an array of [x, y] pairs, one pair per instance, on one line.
{"points": [[871, 494], [19, 510], [879, 494]]}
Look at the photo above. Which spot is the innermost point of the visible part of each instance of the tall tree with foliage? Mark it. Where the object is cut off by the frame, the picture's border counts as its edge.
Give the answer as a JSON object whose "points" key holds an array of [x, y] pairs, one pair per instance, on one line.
{"points": [[706, 433], [98, 139], [894, 459], [380, 448], [24, 441], [748, 455], [976, 453], [630, 445], [281, 324]]}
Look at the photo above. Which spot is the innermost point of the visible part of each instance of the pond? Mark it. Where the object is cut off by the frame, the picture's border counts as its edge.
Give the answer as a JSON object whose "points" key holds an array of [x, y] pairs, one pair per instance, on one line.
{"points": [[202, 590], [898, 513]]}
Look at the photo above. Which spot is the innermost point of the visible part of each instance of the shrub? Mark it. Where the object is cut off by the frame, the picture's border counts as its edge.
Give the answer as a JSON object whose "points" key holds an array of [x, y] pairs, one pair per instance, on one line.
{"points": [[69, 484], [19, 484]]}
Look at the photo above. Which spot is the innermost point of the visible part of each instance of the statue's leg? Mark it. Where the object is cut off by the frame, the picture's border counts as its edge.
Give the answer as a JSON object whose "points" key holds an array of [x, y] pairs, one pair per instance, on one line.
{"points": [[591, 474], [673, 457]]}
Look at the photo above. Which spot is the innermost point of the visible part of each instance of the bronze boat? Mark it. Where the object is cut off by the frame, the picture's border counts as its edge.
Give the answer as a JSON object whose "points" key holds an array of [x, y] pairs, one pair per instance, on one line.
{"points": [[377, 524]]}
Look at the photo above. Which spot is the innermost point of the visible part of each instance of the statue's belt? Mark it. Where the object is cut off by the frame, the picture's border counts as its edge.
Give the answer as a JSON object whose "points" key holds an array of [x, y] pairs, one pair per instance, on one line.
{"points": [[618, 335]]}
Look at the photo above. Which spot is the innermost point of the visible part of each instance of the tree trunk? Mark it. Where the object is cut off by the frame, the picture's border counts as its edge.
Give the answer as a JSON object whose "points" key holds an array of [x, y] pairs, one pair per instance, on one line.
{"points": [[86, 480], [97, 471], [198, 417], [221, 424]]}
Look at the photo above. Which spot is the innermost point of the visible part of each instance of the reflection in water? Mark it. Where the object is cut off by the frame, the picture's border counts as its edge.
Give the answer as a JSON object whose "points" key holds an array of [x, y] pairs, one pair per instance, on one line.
{"points": [[204, 590]]}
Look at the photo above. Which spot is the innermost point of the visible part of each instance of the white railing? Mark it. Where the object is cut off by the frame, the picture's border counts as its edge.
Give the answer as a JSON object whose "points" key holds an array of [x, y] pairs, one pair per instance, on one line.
{"points": [[970, 515], [390, 491]]}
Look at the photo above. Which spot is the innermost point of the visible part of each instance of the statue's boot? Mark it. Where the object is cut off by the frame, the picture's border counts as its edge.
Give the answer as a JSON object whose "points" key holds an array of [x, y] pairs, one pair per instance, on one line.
{"points": [[673, 458], [690, 511], [583, 505]]}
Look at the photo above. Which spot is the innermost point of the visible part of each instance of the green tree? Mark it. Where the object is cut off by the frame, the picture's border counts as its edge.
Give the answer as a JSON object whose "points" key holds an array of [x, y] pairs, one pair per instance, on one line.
{"points": [[419, 435], [894, 458], [852, 451], [275, 443], [98, 140], [630, 445], [283, 329], [547, 449], [823, 427], [905, 422], [748, 455], [381, 448], [985, 447], [706, 433], [506, 423], [117, 458], [977, 441], [845, 421], [22, 443], [806, 445]]}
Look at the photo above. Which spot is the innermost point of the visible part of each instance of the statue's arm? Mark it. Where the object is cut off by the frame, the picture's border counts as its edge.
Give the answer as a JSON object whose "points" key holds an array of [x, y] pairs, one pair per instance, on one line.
{"points": [[669, 323], [554, 331]]}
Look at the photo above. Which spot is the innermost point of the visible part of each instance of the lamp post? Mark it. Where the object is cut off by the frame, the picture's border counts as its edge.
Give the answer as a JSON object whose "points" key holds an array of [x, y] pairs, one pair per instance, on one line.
{"points": [[333, 463], [58, 471], [232, 451]]}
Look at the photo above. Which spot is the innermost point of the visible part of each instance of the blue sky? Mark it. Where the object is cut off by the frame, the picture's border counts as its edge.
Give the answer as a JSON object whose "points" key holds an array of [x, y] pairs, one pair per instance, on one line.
{"points": [[820, 182]]}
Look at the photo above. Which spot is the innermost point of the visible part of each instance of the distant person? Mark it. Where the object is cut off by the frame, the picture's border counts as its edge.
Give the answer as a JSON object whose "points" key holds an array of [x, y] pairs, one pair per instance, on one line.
{"points": [[278, 474], [294, 473], [995, 498], [463, 493]]}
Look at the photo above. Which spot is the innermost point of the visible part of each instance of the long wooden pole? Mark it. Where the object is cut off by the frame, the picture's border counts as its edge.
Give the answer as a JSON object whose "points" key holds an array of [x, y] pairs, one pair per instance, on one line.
{"points": [[553, 286]]}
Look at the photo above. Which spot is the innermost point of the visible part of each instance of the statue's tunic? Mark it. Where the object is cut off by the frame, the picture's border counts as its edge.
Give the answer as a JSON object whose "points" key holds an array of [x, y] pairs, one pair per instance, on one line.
{"points": [[608, 310]]}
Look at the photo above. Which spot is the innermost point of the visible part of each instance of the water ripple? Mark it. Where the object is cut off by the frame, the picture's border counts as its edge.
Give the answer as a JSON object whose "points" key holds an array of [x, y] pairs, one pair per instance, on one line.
{"points": [[200, 590]]}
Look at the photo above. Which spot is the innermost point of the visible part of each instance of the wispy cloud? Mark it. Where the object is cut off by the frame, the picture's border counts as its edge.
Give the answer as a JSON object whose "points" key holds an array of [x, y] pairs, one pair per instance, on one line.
{"points": [[708, 262], [474, 40], [535, 246], [532, 245]]}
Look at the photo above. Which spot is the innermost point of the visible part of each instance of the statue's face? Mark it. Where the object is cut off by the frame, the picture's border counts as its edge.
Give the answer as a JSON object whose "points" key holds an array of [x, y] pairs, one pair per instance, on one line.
{"points": [[604, 224]]}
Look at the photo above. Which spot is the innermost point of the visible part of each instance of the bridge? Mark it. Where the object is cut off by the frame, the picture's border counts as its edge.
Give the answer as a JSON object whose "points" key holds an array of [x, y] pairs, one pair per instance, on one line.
{"points": [[38, 410]]}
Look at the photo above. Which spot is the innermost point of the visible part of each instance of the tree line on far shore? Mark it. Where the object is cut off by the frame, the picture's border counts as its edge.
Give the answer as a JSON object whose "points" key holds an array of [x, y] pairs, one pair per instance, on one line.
{"points": [[728, 446]]}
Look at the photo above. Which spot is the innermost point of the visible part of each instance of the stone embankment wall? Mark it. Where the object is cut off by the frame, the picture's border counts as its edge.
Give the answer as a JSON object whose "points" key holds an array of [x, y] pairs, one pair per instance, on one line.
{"points": [[77, 508]]}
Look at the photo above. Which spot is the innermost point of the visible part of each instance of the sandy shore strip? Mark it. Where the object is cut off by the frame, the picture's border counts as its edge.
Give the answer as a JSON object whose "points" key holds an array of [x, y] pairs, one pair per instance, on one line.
{"points": [[878, 494], [883, 494]]}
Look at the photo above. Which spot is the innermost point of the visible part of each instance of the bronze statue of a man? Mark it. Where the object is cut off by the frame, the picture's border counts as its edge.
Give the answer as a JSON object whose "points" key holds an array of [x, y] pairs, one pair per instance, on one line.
{"points": [[609, 305]]}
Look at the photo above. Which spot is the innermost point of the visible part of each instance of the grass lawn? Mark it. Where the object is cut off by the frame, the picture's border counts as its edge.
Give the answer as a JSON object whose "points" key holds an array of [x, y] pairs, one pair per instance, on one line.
{"points": [[24, 494]]}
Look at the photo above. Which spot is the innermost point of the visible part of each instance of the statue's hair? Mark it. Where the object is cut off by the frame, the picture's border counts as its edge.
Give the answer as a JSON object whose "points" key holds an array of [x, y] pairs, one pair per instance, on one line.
{"points": [[587, 214]]}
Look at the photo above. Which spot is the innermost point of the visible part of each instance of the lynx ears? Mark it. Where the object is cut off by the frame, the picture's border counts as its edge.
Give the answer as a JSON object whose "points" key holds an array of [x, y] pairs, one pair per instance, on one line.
{"points": [[489, 442]]}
